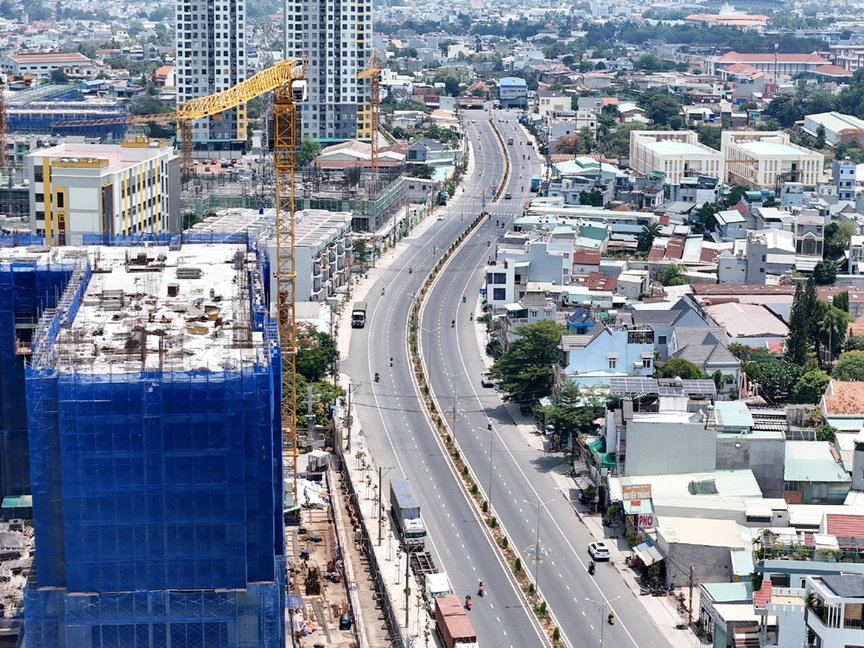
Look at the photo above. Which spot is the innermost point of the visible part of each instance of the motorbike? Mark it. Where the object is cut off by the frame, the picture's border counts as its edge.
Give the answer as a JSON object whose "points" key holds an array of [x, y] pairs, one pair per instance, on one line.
{"points": [[591, 567], [481, 591], [471, 317], [468, 602], [453, 324], [463, 299], [611, 618], [377, 377], [382, 292]]}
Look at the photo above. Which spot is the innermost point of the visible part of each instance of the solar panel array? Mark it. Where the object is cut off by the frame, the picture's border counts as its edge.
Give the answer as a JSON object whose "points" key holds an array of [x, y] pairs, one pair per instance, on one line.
{"points": [[663, 387]]}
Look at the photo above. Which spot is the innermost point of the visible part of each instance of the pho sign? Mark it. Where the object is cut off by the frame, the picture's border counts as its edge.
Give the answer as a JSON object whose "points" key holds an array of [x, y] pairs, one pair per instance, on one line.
{"points": [[636, 492], [646, 521]]}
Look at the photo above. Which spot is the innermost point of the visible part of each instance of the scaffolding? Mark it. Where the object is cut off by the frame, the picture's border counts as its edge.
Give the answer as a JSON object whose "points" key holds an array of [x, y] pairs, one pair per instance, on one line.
{"points": [[155, 448]]}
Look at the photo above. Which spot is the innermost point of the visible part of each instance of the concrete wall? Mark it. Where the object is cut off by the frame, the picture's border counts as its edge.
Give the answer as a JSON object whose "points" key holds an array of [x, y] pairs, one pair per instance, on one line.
{"points": [[710, 564], [858, 470], [655, 448], [765, 457]]}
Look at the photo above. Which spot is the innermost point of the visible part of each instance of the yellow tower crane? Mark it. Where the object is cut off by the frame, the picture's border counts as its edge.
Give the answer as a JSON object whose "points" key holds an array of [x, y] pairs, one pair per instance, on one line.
{"points": [[286, 80], [267, 80], [373, 73]]}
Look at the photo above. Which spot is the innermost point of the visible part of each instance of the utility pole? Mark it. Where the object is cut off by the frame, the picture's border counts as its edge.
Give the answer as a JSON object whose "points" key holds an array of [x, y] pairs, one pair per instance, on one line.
{"points": [[690, 602], [407, 586], [491, 440], [381, 473], [348, 419]]}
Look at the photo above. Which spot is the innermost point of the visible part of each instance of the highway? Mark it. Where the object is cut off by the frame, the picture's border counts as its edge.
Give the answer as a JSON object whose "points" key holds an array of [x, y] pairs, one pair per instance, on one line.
{"points": [[399, 436], [519, 474]]}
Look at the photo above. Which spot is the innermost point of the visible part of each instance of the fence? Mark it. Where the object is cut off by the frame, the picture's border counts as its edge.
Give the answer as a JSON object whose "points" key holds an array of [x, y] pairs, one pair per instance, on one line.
{"points": [[368, 550]]}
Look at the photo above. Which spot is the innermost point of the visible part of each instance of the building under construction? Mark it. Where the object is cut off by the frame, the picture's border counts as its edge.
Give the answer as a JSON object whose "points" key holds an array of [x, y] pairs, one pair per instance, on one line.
{"points": [[152, 398]]}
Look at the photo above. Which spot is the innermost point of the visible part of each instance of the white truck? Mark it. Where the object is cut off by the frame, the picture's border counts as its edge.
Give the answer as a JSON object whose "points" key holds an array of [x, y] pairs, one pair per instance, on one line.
{"points": [[406, 515], [437, 584]]}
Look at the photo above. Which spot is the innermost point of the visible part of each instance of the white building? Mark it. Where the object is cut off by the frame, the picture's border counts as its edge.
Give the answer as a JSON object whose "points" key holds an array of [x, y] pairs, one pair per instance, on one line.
{"points": [[677, 154], [765, 159], [553, 102], [44, 63], [211, 57], [834, 124], [834, 612], [128, 188], [336, 39]]}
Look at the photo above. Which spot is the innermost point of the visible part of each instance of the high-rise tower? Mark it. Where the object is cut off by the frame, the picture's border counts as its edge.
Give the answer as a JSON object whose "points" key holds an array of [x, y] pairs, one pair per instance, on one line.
{"points": [[335, 36], [211, 57]]}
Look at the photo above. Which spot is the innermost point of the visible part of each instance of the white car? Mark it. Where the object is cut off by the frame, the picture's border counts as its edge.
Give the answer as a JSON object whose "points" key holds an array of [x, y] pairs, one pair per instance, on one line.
{"points": [[598, 551], [486, 379]]}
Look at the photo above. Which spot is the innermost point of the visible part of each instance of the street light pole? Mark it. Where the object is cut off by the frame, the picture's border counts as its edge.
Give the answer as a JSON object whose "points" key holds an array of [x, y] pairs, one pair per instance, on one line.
{"points": [[454, 413], [602, 606], [491, 439], [539, 553]]}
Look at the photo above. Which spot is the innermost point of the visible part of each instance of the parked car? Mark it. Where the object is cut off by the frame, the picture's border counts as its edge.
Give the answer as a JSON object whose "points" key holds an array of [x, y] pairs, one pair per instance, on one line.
{"points": [[486, 379], [598, 551], [206, 169]]}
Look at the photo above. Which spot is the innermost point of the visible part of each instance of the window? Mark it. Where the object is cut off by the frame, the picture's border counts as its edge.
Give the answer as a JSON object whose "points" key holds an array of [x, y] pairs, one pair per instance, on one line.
{"points": [[499, 294], [533, 312], [661, 339], [612, 362], [39, 197], [499, 278]]}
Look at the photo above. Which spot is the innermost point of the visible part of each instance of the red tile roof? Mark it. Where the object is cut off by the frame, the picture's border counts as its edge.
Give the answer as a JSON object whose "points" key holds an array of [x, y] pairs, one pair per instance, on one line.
{"points": [[848, 398], [832, 70], [50, 57], [845, 526], [762, 597], [586, 257], [735, 57]]}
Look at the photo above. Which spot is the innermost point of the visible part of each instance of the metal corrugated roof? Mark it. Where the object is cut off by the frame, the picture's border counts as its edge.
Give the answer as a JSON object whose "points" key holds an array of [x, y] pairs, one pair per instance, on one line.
{"points": [[730, 592], [733, 414], [812, 461]]}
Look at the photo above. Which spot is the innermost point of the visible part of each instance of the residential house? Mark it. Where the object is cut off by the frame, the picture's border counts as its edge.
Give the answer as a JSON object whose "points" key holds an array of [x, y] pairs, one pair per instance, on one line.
{"points": [[763, 253], [551, 103], [731, 225], [809, 239], [702, 549], [843, 176], [856, 254], [706, 347], [580, 321], [814, 474], [726, 610], [835, 609], [603, 352], [422, 150], [663, 321]]}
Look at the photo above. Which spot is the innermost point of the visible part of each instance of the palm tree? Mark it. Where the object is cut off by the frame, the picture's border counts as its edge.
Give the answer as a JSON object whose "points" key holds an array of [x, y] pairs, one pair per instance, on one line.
{"points": [[646, 237], [832, 330]]}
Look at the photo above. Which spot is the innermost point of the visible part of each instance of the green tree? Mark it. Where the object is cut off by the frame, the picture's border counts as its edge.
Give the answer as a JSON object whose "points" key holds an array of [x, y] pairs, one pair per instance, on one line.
{"points": [[678, 368], [811, 386], [659, 106], [849, 366], [777, 379], [59, 77], [854, 343], [645, 238], [825, 273], [361, 251], [574, 409], [709, 135], [798, 345], [525, 368], [832, 328], [309, 150], [838, 233], [423, 171], [324, 394], [190, 219], [707, 215], [593, 198], [135, 27], [316, 352], [820, 137], [148, 105], [841, 301], [825, 432], [673, 275], [733, 197]]}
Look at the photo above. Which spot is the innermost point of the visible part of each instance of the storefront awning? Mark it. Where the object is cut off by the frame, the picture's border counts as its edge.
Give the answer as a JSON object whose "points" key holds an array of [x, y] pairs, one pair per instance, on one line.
{"points": [[648, 554]]}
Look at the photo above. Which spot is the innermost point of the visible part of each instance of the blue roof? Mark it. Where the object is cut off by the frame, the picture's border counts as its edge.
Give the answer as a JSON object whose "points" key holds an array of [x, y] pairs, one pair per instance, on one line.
{"points": [[580, 315], [512, 81]]}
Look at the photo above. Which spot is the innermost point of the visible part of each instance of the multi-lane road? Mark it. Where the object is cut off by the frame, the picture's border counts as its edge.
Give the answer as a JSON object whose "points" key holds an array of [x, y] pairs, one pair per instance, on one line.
{"points": [[399, 436]]}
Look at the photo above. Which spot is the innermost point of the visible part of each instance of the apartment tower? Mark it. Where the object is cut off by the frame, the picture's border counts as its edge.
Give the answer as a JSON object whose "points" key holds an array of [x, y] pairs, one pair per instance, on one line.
{"points": [[211, 57], [335, 36]]}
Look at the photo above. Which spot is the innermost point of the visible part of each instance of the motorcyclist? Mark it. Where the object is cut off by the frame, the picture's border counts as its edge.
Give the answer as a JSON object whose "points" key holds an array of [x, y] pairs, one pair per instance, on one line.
{"points": [[611, 616], [391, 361], [471, 317], [377, 377], [382, 292], [480, 589], [463, 299], [591, 567], [453, 324], [468, 601]]}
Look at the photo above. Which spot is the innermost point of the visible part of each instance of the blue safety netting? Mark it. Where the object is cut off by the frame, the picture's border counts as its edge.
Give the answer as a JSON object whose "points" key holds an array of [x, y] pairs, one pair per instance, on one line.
{"points": [[250, 618], [192, 237], [26, 290], [148, 482]]}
